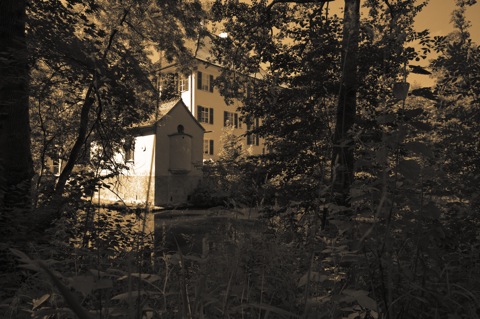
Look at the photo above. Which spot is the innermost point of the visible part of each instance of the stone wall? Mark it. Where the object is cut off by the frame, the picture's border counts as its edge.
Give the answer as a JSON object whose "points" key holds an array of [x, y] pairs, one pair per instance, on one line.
{"points": [[175, 189], [130, 189]]}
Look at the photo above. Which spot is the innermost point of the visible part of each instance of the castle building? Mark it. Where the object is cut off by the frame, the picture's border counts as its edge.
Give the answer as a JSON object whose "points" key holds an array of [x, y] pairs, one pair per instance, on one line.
{"points": [[208, 106], [163, 160]]}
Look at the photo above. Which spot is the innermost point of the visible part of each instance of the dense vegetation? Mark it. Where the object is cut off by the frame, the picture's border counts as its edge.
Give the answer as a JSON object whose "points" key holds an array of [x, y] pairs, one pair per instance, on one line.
{"points": [[368, 198]]}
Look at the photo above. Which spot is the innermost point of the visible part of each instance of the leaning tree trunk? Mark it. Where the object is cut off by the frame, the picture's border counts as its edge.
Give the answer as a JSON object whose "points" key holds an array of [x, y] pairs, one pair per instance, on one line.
{"points": [[16, 168], [343, 148], [84, 118]]}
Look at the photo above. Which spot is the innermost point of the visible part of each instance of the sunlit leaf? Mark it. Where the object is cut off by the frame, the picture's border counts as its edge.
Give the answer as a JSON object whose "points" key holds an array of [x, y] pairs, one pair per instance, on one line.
{"points": [[129, 295], [314, 277], [38, 302], [147, 277], [366, 302]]}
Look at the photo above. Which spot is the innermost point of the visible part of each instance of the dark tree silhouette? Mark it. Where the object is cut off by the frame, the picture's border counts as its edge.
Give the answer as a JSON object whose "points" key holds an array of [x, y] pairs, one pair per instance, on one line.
{"points": [[15, 156], [343, 146]]}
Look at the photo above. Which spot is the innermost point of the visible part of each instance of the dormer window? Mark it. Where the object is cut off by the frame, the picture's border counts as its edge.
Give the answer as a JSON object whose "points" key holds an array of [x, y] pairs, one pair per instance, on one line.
{"points": [[182, 83]]}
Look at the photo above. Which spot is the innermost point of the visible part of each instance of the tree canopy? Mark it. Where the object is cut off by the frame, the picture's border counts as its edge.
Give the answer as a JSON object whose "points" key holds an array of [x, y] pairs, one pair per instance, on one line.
{"points": [[368, 191]]}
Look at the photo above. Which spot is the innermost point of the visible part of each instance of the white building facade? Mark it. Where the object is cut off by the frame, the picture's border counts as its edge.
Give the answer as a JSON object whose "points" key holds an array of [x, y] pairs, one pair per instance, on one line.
{"points": [[208, 106], [164, 160]]}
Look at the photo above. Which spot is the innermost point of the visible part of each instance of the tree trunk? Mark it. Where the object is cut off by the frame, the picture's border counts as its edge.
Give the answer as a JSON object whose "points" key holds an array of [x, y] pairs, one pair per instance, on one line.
{"points": [[79, 142], [16, 168], [84, 119], [343, 148]]}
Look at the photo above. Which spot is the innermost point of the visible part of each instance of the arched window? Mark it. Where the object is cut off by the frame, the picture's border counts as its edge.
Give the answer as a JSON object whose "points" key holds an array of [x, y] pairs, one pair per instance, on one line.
{"points": [[180, 129]]}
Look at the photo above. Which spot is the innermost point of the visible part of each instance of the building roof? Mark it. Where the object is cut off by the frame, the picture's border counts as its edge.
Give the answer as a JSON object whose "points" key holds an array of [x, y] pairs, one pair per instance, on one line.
{"points": [[202, 50], [204, 54], [163, 110]]}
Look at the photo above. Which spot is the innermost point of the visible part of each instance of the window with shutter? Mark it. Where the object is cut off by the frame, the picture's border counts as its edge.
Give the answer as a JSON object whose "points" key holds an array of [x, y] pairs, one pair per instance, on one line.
{"points": [[211, 83], [199, 80], [208, 147], [205, 114], [211, 116], [231, 119], [253, 139], [199, 113], [204, 82]]}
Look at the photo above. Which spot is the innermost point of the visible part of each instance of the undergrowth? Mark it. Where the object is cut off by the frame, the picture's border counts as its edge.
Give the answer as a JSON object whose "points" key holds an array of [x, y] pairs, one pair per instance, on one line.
{"points": [[103, 264]]}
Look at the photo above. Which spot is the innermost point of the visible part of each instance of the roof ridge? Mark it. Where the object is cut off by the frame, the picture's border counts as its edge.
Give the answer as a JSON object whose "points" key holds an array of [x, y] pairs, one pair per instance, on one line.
{"points": [[175, 99]]}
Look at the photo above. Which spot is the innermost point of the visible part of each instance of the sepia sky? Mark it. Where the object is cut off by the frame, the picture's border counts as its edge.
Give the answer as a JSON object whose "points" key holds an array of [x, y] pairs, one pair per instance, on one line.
{"points": [[436, 17]]}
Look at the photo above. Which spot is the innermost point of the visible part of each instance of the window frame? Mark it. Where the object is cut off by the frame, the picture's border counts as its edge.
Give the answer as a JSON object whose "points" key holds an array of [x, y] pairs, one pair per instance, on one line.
{"points": [[205, 114], [233, 119], [208, 146], [183, 83], [253, 139], [205, 81]]}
